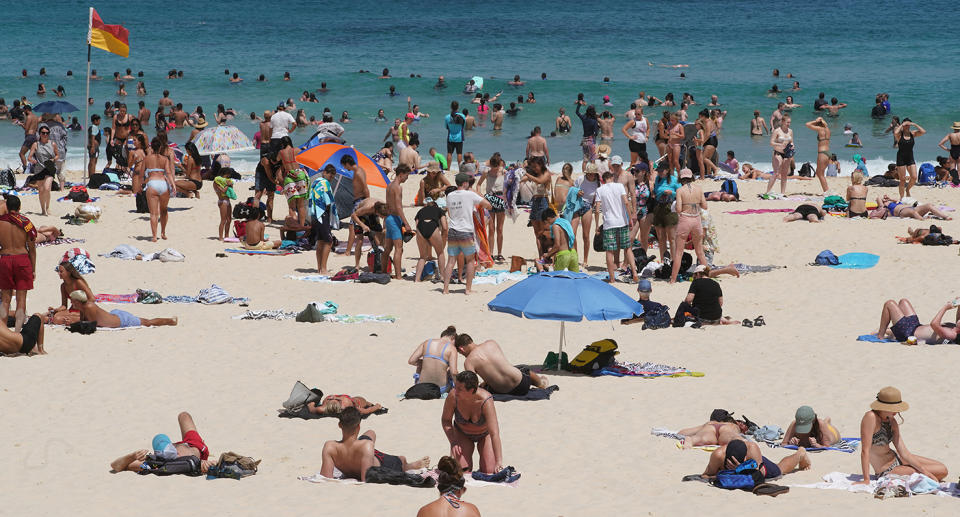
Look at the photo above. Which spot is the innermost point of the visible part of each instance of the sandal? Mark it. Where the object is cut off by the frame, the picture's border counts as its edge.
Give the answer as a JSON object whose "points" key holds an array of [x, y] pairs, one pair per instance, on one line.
{"points": [[747, 323], [759, 322], [770, 489]]}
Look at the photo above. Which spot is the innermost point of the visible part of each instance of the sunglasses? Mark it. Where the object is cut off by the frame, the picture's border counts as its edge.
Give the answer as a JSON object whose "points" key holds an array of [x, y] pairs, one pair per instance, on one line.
{"points": [[44, 132]]}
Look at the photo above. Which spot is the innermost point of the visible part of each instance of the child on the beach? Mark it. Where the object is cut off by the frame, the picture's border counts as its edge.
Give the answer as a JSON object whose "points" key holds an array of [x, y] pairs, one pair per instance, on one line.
{"points": [[223, 186]]}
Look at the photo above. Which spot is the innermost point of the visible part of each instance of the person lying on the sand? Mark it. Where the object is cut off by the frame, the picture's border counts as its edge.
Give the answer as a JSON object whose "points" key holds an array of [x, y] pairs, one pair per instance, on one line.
{"points": [[450, 483], [903, 322], [719, 430], [28, 341], [336, 404], [739, 451], [499, 375], [353, 455], [469, 420], [720, 196], [919, 236], [190, 444], [810, 430], [436, 360], [807, 212], [888, 206], [90, 311], [47, 234]]}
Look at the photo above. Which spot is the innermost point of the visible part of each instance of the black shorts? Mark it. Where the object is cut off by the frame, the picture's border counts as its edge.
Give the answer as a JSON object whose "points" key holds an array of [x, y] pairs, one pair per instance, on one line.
{"points": [[320, 230], [275, 146], [637, 147], [455, 147], [261, 182], [30, 333], [265, 149], [387, 461], [524, 387]]}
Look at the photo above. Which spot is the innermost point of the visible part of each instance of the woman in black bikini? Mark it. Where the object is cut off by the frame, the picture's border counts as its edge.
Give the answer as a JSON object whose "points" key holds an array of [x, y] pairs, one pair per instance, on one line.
{"points": [[191, 185], [429, 219], [954, 150], [857, 196], [879, 429], [905, 138], [805, 212], [469, 420]]}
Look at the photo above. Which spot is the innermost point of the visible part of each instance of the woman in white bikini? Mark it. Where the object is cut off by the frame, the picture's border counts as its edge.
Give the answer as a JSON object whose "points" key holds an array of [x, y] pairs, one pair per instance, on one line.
{"points": [[160, 183]]}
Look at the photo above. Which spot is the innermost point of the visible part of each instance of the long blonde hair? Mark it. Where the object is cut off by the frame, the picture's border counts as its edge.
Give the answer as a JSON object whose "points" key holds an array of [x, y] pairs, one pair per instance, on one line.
{"points": [[856, 178]]}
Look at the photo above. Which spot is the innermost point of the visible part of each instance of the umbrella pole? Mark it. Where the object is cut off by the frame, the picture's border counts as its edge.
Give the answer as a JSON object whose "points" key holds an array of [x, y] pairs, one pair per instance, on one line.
{"points": [[86, 102], [563, 338]]}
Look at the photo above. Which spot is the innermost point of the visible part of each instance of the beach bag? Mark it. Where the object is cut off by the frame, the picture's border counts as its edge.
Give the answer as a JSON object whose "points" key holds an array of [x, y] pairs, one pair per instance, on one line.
{"points": [[233, 466], [658, 318], [240, 228], [927, 174], [300, 396], [186, 465], [7, 178], [598, 240], [97, 179], [730, 187], [744, 477], [149, 297], [83, 327], [594, 356], [88, 212], [171, 255], [937, 239], [806, 170], [376, 262], [826, 258], [78, 194], [347, 273], [141, 200], [423, 391]]}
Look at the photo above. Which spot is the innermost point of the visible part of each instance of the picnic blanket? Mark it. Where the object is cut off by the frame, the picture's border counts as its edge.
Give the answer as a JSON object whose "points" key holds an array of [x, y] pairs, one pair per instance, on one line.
{"points": [[646, 370], [262, 252], [857, 261], [872, 338], [533, 394], [751, 211], [915, 484], [844, 445], [61, 240], [303, 413]]}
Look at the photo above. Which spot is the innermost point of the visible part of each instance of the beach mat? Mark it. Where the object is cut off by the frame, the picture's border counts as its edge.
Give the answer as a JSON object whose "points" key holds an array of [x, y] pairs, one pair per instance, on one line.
{"points": [[305, 414], [752, 211], [61, 240], [848, 445], [533, 394], [259, 252], [857, 261], [872, 338]]}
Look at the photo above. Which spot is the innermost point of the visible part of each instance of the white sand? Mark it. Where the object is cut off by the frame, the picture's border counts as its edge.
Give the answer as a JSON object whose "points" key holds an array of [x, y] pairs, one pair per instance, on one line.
{"points": [[586, 452]]}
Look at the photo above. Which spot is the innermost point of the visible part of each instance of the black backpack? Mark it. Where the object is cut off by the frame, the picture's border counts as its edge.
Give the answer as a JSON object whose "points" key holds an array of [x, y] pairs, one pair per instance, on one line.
{"points": [[806, 170], [598, 240], [658, 318], [7, 178], [83, 327], [423, 391], [186, 465], [141, 201], [96, 180]]}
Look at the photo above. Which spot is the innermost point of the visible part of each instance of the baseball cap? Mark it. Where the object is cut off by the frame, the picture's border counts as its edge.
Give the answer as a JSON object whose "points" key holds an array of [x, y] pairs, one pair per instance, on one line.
{"points": [[616, 160], [640, 166], [804, 417], [163, 447], [700, 269], [606, 98], [686, 173], [644, 286], [462, 178]]}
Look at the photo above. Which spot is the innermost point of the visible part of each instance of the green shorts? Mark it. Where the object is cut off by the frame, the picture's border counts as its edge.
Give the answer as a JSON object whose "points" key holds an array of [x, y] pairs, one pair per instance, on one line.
{"points": [[566, 259], [295, 187], [663, 217], [616, 238]]}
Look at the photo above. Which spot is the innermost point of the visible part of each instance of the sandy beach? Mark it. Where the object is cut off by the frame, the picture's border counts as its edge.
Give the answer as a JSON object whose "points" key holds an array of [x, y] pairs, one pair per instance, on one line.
{"points": [[587, 451]]}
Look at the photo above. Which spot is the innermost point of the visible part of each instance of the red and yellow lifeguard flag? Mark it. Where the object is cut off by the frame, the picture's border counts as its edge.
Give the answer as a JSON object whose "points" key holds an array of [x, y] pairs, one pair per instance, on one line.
{"points": [[112, 38]]}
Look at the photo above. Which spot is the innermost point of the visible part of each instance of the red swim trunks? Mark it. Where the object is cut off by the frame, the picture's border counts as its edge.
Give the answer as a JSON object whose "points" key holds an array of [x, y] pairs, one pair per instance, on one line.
{"points": [[192, 439], [16, 272]]}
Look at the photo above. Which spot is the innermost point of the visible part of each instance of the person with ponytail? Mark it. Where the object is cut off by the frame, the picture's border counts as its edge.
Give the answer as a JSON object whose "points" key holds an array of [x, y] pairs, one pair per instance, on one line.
{"points": [[450, 483]]}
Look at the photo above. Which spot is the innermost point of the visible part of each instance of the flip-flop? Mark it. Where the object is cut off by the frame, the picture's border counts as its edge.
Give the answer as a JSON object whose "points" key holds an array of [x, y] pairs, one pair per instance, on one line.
{"points": [[747, 323], [759, 322], [770, 489], [694, 477]]}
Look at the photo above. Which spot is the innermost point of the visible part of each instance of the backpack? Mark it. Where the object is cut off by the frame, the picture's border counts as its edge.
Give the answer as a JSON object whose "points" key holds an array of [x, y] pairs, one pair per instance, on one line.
{"points": [[745, 477], [806, 170], [826, 258], [141, 201], [347, 273], [233, 466], [927, 174], [187, 465], [937, 239], [423, 391], [685, 313], [7, 178], [730, 187], [598, 240], [97, 179], [374, 278], [640, 258], [594, 356], [240, 228], [429, 270], [376, 262], [78, 194], [83, 327], [658, 318]]}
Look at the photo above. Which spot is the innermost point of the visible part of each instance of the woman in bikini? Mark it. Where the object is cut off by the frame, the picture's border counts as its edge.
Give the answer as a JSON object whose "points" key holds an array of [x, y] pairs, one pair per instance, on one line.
{"points": [[819, 126], [135, 157], [857, 196], [193, 182], [781, 140], [72, 281], [954, 149], [436, 360], [450, 483], [431, 233], [905, 138], [433, 184], [334, 404], [469, 420], [720, 430], [676, 137], [887, 206], [157, 169], [491, 180], [879, 429], [810, 430], [294, 182], [690, 201], [663, 133], [706, 143], [588, 216]]}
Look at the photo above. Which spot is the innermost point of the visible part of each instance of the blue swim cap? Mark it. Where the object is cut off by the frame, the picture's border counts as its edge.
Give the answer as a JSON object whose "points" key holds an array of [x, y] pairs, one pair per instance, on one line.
{"points": [[163, 446]]}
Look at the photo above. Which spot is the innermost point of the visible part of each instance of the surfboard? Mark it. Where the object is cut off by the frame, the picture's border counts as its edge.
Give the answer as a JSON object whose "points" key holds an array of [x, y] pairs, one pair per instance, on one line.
{"points": [[477, 80]]}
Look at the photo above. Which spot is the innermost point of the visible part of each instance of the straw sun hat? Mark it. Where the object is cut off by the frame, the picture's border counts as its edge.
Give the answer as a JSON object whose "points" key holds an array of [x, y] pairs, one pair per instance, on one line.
{"points": [[889, 399]]}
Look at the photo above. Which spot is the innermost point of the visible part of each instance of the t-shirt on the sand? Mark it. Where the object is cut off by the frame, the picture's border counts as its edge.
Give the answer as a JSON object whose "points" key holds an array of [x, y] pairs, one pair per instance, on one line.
{"points": [[460, 206]]}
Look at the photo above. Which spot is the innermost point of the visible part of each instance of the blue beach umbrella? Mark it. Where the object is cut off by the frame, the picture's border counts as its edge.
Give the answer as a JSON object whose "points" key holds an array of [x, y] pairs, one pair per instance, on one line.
{"points": [[55, 107], [565, 296]]}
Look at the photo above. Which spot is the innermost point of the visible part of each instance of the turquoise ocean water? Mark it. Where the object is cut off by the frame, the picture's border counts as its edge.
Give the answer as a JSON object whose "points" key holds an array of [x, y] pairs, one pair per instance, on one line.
{"points": [[851, 50]]}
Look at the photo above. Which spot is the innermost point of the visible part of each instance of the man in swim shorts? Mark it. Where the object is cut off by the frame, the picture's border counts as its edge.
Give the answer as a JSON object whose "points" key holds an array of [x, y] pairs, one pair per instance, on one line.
{"points": [[499, 375], [28, 341], [253, 238], [366, 221], [190, 444], [18, 257], [354, 453], [90, 311], [396, 222], [728, 456]]}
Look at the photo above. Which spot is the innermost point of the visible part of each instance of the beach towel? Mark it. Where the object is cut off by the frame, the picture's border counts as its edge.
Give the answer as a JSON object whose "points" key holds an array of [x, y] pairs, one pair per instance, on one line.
{"points": [[116, 298], [666, 433], [360, 318], [533, 394], [916, 484], [275, 314], [761, 211], [844, 445], [645, 370], [857, 261], [214, 295], [338, 478], [744, 268], [261, 252], [872, 338], [310, 278], [61, 240], [498, 277], [303, 413], [506, 475]]}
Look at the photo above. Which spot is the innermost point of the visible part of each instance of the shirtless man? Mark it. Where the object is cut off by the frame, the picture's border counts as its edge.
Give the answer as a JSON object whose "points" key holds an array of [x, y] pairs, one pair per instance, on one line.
{"points": [[165, 101], [89, 311], [469, 121], [606, 121], [833, 109], [366, 221], [739, 451], [361, 191], [777, 116], [30, 124], [499, 376], [191, 444], [253, 238], [143, 115], [537, 145], [353, 455], [180, 116], [396, 222], [409, 155], [18, 257], [266, 134], [496, 117]]}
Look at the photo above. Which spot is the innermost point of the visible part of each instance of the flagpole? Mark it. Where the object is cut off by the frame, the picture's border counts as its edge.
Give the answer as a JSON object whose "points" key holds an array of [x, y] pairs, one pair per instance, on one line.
{"points": [[86, 113]]}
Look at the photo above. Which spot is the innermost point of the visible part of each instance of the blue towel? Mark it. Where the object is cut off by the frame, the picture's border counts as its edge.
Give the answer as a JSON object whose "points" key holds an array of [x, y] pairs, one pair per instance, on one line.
{"points": [[872, 338], [844, 445], [857, 261]]}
